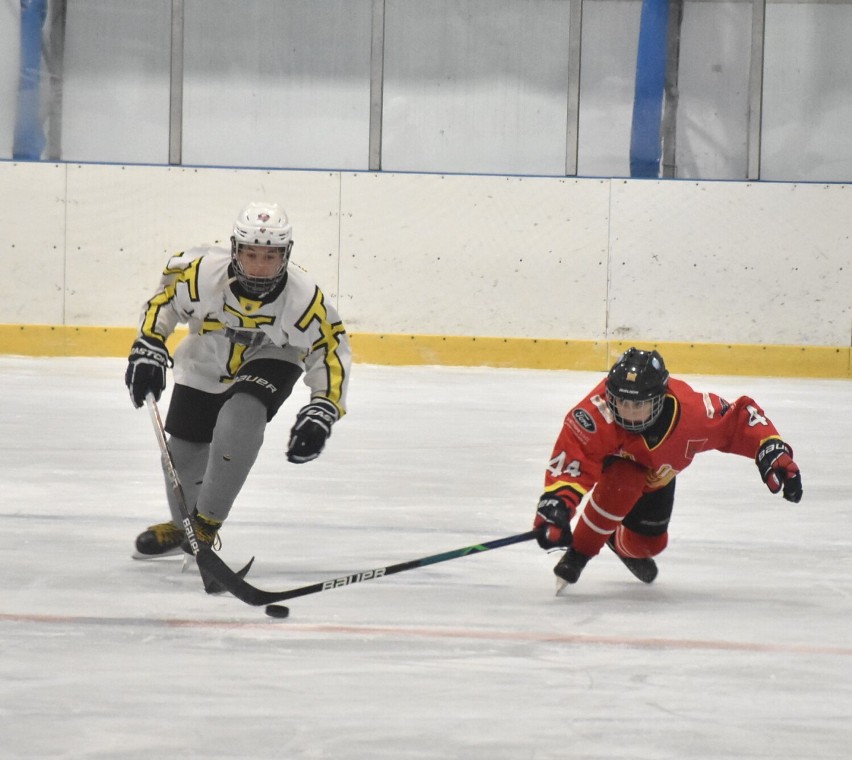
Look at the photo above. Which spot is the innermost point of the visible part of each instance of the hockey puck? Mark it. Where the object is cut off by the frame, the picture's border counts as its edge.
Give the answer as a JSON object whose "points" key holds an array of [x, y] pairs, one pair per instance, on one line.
{"points": [[277, 610]]}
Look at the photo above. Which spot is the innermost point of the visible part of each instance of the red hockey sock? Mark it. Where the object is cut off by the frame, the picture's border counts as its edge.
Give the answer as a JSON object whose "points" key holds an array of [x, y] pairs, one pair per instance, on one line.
{"points": [[630, 544], [616, 492]]}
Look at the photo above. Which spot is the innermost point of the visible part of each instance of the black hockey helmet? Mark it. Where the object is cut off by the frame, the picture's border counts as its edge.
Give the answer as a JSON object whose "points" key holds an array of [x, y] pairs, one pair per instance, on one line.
{"points": [[636, 389]]}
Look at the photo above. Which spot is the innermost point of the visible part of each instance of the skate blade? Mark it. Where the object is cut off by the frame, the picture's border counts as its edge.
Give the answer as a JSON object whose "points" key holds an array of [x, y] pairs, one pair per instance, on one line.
{"points": [[170, 554], [561, 585]]}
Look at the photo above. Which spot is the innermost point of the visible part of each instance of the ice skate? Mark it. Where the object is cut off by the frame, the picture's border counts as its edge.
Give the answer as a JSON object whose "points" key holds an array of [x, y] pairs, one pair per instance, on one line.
{"points": [[569, 568], [644, 569], [161, 540], [206, 531]]}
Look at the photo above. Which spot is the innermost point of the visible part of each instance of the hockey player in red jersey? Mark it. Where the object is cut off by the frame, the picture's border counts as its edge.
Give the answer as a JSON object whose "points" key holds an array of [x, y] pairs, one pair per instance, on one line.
{"points": [[624, 444]]}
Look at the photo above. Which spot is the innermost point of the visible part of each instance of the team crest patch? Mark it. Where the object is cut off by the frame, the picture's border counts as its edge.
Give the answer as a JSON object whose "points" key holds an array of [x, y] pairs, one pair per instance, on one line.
{"points": [[584, 419]]}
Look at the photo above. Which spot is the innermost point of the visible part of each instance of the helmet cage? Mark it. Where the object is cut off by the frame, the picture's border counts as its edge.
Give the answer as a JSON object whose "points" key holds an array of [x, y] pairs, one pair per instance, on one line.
{"points": [[636, 426], [641, 378], [261, 224], [259, 286]]}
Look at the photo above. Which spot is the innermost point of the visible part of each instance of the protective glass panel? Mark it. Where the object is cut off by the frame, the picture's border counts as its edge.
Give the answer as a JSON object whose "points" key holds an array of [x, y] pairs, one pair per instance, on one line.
{"points": [[476, 86], [115, 96], [713, 81], [283, 84], [469, 85], [807, 93], [607, 73], [9, 72]]}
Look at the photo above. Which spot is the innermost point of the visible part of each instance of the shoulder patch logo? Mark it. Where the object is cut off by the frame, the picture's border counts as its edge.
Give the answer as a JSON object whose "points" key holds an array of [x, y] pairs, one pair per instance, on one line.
{"points": [[584, 419]]}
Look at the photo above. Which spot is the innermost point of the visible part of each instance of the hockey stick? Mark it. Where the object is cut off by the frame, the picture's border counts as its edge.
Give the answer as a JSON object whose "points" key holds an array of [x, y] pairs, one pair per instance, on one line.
{"points": [[249, 594], [216, 576]]}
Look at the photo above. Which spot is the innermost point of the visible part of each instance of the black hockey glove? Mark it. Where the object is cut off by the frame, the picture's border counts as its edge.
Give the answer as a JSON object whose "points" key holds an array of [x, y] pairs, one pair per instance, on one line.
{"points": [[775, 461], [311, 431], [553, 519], [146, 369]]}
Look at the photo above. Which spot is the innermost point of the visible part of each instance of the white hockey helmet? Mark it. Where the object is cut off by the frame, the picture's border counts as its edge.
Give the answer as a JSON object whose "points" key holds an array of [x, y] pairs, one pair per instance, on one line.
{"points": [[261, 223]]}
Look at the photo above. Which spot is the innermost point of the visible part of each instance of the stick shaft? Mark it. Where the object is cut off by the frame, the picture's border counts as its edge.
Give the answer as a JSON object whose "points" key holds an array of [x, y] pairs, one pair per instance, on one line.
{"points": [[171, 471], [255, 596], [401, 567]]}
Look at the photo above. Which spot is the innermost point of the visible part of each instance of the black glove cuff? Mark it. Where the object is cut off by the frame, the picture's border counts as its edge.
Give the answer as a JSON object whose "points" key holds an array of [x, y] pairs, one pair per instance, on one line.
{"points": [[150, 350], [769, 451], [322, 412]]}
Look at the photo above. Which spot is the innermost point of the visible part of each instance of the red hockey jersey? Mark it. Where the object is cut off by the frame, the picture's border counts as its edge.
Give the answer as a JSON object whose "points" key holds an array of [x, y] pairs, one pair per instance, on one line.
{"points": [[691, 422]]}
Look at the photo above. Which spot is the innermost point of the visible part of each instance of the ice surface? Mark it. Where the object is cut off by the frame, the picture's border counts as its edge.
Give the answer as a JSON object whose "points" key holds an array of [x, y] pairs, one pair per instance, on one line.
{"points": [[741, 649]]}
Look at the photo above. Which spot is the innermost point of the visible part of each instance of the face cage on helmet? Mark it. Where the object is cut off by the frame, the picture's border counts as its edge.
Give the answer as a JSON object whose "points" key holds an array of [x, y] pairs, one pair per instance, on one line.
{"points": [[656, 403], [260, 286]]}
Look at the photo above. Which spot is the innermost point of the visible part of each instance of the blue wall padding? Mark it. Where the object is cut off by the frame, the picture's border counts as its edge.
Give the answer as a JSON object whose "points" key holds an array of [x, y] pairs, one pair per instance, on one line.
{"points": [[29, 140], [646, 143]]}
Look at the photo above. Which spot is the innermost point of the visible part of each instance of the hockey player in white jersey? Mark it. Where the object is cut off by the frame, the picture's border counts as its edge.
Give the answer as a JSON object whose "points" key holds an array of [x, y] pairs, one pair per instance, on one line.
{"points": [[255, 326]]}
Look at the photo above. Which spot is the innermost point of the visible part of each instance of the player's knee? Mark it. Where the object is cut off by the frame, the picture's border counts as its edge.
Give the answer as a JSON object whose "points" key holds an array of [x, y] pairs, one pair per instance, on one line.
{"points": [[632, 544], [246, 401]]}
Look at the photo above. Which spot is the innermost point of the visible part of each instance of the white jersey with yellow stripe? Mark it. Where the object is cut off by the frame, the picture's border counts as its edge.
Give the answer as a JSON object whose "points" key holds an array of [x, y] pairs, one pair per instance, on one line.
{"points": [[227, 329]]}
